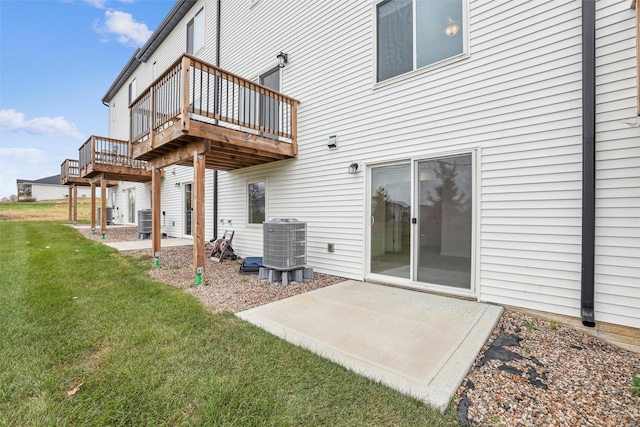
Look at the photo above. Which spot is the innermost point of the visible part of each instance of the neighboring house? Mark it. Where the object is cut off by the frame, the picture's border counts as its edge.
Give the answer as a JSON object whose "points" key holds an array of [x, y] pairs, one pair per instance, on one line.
{"points": [[48, 188], [476, 129]]}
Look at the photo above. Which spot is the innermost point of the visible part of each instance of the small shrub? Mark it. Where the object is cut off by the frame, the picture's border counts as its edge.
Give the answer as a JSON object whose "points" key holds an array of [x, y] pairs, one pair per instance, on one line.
{"points": [[529, 324], [635, 384], [527, 349], [553, 325]]}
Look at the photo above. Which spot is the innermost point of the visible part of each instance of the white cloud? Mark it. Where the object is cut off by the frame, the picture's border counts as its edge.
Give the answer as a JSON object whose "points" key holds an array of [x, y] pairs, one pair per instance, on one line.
{"points": [[127, 30], [100, 4], [46, 126]]}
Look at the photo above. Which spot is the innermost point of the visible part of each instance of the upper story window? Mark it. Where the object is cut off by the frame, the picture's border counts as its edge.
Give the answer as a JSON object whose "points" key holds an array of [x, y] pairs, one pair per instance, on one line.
{"points": [[195, 33], [133, 91], [415, 33]]}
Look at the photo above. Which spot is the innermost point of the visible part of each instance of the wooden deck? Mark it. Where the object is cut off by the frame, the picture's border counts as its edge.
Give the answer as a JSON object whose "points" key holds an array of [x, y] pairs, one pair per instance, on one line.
{"points": [[70, 174], [234, 122], [199, 115], [110, 159]]}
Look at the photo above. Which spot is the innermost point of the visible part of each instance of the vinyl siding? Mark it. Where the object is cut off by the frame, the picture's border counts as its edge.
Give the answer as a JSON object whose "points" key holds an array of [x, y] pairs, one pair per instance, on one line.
{"points": [[54, 192], [522, 109], [516, 99], [617, 252]]}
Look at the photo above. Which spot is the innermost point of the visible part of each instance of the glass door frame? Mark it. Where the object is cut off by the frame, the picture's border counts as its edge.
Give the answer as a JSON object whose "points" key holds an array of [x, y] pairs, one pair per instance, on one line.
{"points": [[415, 229]]}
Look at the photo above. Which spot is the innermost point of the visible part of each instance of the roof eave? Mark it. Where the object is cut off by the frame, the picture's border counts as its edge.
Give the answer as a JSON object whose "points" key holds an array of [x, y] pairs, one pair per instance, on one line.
{"points": [[142, 54]]}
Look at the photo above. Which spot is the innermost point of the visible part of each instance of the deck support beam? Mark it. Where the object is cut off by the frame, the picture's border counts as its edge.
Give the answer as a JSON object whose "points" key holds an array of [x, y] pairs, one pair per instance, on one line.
{"points": [[156, 235], [199, 163], [93, 207], [103, 204]]}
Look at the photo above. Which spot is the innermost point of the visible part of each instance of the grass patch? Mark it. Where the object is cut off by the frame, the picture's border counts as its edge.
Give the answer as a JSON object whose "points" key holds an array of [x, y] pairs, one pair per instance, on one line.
{"points": [[79, 319], [54, 210]]}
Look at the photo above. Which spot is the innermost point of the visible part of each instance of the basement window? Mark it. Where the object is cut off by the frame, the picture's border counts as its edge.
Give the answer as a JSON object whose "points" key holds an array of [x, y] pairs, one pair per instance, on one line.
{"points": [[256, 202]]}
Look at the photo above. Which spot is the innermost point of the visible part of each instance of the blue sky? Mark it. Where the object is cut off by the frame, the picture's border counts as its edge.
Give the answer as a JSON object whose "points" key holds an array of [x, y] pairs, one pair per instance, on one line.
{"points": [[57, 60]]}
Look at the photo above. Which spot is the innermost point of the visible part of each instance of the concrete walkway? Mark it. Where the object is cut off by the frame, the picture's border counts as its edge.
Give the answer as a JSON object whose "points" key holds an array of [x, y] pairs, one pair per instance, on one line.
{"points": [[146, 244], [417, 343]]}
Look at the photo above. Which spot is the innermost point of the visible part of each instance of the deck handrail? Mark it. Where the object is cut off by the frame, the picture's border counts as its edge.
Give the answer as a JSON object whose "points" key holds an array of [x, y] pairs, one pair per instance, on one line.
{"points": [[192, 89], [106, 151], [70, 168]]}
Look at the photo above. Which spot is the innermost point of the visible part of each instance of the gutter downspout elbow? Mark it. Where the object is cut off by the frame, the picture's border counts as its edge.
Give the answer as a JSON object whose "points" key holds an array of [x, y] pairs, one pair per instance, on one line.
{"points": [[587, 310]]}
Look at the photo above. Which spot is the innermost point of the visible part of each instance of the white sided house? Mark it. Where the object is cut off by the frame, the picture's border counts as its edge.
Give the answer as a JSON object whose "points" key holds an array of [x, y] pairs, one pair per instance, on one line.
{"points": [[488, 150], [48, 188]]}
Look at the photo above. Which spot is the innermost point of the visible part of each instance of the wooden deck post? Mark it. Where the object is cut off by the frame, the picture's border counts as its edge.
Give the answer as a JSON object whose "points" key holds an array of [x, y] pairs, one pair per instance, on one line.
{"points": [[70, 204], [198, 211], [186, 65], [103, 203], [93, 207], [75, 204], [156, 233], [294, 128]]}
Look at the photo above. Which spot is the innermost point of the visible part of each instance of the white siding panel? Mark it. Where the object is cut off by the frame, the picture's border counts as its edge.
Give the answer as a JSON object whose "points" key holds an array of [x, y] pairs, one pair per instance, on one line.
{"points": [[617, 261]]}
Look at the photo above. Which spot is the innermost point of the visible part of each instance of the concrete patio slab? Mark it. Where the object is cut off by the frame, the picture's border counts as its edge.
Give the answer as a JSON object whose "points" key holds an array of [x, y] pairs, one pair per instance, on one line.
{"points": [[146, 244], [420, 344]]}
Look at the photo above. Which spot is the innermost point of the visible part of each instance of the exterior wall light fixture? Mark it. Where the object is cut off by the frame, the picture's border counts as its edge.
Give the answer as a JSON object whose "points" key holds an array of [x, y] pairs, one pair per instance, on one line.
{"points": [[354, 168], [283, 58]]}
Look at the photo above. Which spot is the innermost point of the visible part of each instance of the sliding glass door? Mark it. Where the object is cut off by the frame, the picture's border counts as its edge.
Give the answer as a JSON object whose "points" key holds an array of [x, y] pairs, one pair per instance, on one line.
{"points": [[444, 219], [431, 241], [391, 220]]}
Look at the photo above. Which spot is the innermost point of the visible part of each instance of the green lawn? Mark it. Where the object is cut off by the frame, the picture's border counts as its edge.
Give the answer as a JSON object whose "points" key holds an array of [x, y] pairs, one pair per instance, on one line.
{"points": [[46, 210], [75, 312]]}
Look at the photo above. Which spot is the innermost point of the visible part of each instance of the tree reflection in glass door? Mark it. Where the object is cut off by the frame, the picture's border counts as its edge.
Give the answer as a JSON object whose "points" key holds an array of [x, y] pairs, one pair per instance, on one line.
{"points": [[445, 221], [391, 220]]}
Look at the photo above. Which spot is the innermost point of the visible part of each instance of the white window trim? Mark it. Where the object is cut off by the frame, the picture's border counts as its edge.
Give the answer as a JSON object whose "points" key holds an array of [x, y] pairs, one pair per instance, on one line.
{"points": [[416, 71], [133, 90], [266, 200]]}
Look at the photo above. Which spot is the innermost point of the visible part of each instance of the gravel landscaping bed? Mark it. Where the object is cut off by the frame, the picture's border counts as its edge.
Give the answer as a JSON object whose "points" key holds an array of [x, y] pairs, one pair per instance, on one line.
{"points": [[531, 372]]}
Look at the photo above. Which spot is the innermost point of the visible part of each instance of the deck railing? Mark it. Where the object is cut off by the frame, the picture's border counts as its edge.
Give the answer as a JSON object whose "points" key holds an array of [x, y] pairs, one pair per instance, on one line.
{"points": [[106, 151], [70, 168], [192, 89]]}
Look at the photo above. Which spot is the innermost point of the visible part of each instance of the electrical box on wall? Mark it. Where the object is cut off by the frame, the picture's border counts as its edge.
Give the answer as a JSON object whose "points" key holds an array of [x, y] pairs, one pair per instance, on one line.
{"points": [[332, 142]]}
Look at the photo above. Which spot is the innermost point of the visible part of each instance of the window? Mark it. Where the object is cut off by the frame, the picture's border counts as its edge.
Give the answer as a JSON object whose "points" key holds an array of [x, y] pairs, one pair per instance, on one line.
{"points": [[412, 34], [256, 197], [195, 33], [133, 91]]}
